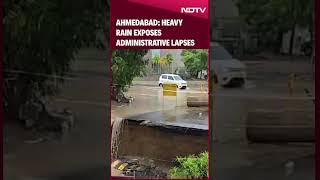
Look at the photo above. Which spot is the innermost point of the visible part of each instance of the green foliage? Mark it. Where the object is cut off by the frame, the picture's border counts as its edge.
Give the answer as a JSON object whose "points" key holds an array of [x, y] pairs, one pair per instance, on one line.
{"points": [[42, 37], [195, 60], [156, 59], [126, 65], [165, 60], [168, 59], [276, 17], [191, 167]]}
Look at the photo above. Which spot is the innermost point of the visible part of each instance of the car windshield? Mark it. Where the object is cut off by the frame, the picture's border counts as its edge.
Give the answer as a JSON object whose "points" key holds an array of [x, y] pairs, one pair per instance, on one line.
{"points": [[219, 53], [177, 78]]}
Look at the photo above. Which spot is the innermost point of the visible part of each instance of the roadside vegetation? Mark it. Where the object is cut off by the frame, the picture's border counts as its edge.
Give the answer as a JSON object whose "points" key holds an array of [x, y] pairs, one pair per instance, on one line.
{"points": [[195, 61], [270, 19], [40, 43], [192, 166], [126, 65]]}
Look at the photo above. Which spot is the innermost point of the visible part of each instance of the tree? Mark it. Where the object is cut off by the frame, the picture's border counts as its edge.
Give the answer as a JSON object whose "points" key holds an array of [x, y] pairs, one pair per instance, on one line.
{"points": [[276, 17], [167, 59], [156, 61], [126, 65], [161, 61], [41, 40], [195, 60]]}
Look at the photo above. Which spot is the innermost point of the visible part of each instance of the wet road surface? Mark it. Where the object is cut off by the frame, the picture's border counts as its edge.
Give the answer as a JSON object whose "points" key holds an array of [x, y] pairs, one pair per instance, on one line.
{"points": [[81, 154]]}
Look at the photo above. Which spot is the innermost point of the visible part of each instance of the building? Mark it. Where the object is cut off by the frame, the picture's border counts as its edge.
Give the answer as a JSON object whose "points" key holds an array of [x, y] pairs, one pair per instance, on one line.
{"points": [[302, 35], [227, 25], [156, 68], [230, 31]]}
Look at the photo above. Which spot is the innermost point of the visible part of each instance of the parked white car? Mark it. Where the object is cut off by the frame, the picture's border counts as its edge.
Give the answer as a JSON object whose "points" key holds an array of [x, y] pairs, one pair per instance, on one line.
{"points": [[172, 79], [227, 70]]}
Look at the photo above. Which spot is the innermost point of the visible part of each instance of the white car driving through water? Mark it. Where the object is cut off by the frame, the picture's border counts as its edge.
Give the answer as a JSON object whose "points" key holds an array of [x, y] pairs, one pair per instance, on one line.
{"points": [[227, 70], [172, 79]]}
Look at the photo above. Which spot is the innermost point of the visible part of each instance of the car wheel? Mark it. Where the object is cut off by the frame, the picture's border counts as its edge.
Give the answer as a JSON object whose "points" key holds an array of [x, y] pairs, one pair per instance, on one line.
{"points": [[233, 84], [242, 84]]}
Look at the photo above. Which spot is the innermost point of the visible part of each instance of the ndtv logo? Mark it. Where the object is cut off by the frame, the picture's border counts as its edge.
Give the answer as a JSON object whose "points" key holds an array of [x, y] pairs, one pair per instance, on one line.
{"points": [[192, 10]]}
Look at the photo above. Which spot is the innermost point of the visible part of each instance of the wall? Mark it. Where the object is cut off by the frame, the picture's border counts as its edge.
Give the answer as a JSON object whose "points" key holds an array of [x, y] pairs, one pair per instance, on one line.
{"points": [[160, 143]]}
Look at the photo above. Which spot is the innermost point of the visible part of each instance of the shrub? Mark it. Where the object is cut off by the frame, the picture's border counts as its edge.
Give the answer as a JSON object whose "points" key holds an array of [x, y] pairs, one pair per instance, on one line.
{"points": [[191, 166]]}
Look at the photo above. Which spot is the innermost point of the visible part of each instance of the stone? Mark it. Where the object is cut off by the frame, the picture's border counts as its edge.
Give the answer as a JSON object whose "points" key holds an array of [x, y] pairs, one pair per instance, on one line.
{"points": [[289, 168], [133, 161], [151, 163], [141, 168], [29, 113], [132, 168], [29, 123]]}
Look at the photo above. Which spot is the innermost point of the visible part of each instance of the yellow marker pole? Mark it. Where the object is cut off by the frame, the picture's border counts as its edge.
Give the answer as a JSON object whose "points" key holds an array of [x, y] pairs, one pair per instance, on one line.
{"points": [[170, 90], [162, 98], [176, 99], [175, 108]]}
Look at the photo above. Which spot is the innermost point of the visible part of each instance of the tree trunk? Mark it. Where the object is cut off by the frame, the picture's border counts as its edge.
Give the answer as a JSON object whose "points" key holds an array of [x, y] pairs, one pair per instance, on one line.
{"points": [[119, 96], [279, 126], [17, 97], [293, 32], [258, 41], [199, 101], [279, 42], [312, 57]]}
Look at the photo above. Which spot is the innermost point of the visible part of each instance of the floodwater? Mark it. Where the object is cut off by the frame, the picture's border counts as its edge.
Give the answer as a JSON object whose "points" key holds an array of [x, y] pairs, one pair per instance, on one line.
{"points": [[150, 99], [266, 90], [82, 154]]}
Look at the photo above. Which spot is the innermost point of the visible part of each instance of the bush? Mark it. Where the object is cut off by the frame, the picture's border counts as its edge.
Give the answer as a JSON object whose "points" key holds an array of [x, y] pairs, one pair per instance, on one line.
{"points": [[191, 167], [195, 60]]}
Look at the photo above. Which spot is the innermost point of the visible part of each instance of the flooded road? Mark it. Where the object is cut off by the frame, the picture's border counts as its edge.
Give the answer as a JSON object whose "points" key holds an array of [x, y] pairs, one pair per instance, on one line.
{"points": [[149, 98], [81, 155], [266, 90]]}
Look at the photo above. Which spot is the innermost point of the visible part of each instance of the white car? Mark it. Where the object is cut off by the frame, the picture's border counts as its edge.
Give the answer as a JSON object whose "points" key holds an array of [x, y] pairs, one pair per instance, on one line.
{"points": [[172, 79], [227, 70]]}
